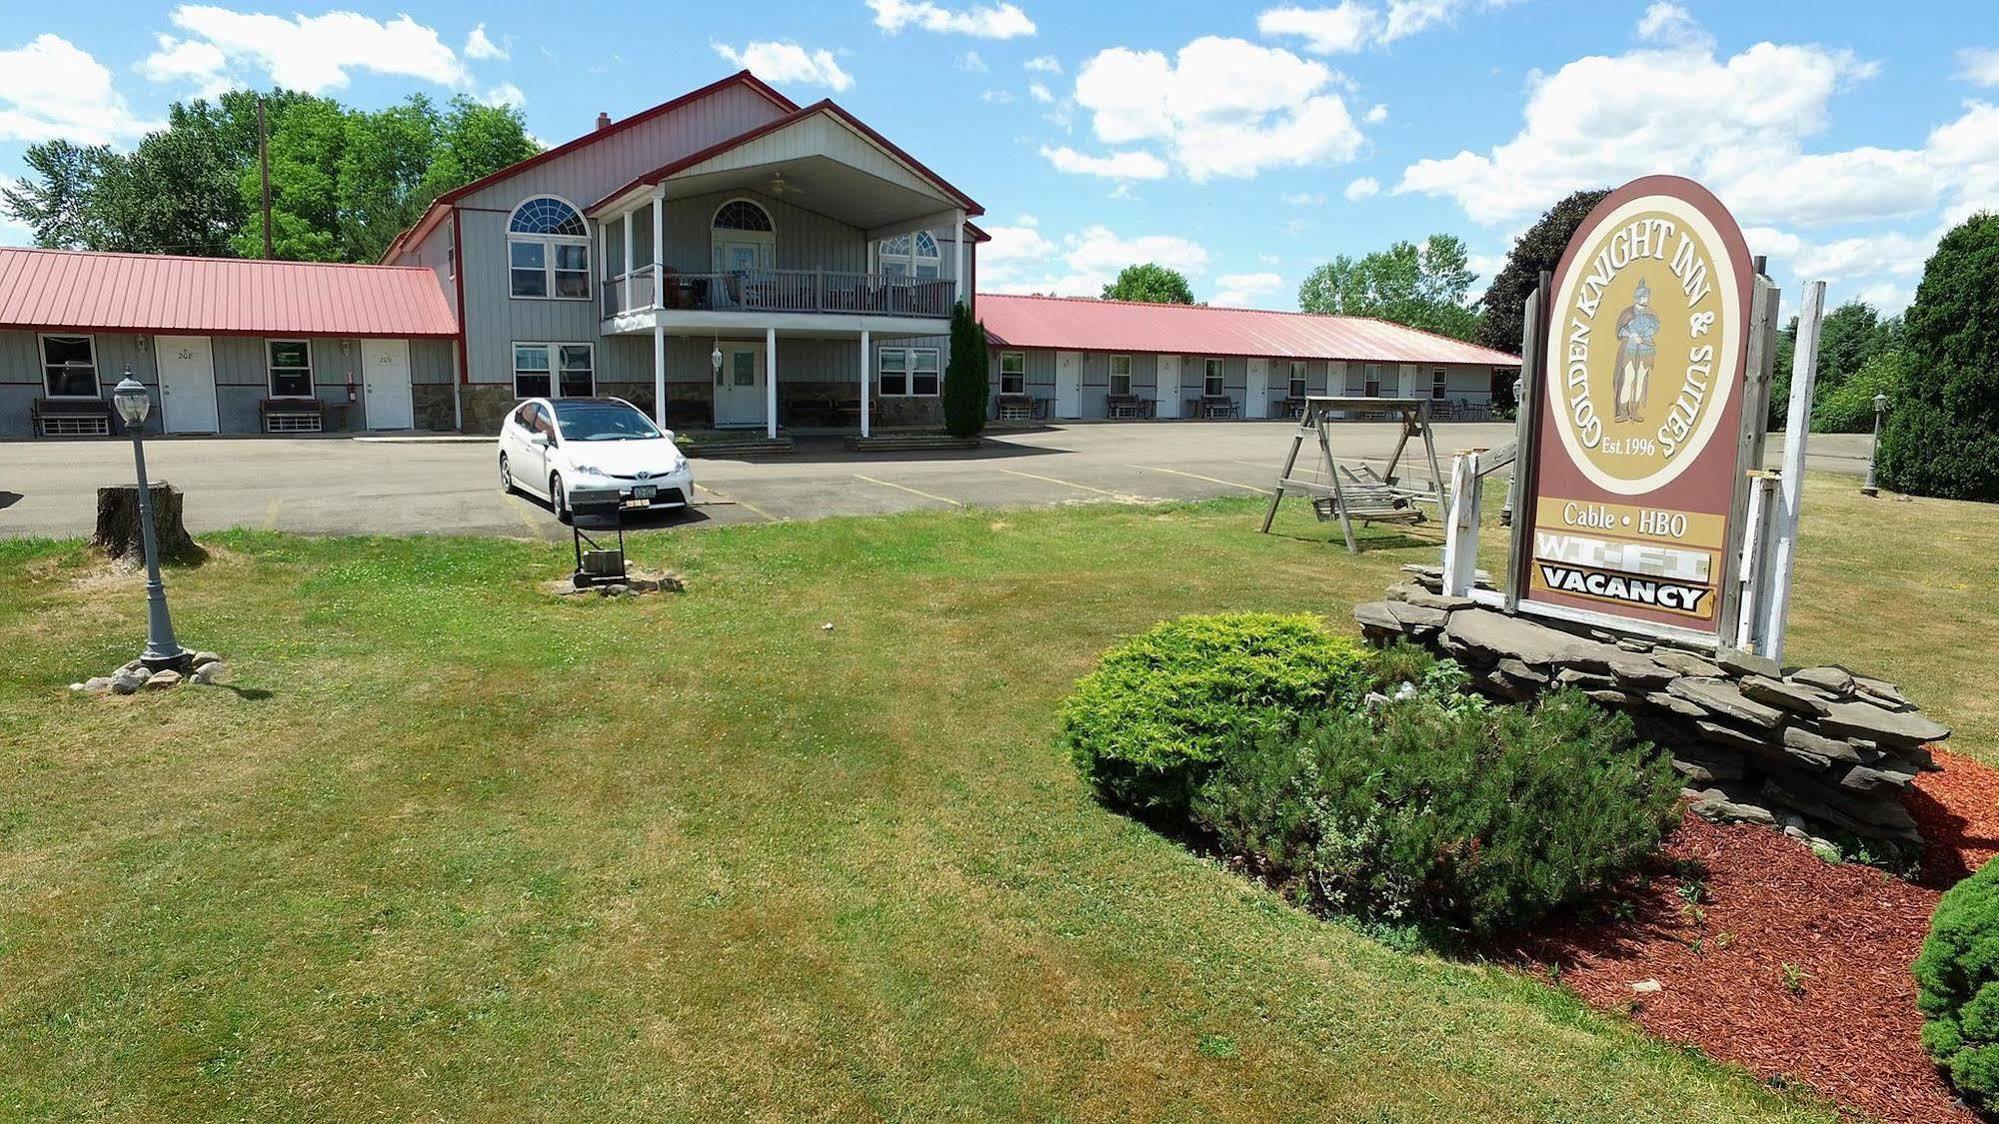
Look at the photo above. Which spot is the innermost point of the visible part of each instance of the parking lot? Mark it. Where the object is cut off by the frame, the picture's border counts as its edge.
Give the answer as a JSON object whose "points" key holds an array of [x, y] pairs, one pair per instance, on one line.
{"points": [[345, 485]]}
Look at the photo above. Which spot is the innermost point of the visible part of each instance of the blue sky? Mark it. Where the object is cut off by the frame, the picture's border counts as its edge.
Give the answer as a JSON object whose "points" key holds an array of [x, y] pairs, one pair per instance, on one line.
{"points": [[1243, 144]]}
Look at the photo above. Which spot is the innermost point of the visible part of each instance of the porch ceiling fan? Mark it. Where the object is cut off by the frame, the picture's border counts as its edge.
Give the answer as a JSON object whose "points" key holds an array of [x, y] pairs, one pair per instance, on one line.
{"points": [[779, 187]]}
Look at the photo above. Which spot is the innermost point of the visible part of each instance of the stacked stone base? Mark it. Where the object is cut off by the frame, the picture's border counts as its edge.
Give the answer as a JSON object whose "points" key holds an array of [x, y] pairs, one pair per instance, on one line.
{"points": [[1815, 750]]}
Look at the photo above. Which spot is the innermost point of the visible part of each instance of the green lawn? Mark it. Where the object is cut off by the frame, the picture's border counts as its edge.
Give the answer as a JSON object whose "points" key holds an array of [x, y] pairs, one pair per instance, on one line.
{"points": [[452, 849]]}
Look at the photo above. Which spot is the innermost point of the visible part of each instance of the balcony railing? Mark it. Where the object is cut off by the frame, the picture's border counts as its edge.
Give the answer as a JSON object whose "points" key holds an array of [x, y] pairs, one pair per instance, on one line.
{"points": [[780, 290]]}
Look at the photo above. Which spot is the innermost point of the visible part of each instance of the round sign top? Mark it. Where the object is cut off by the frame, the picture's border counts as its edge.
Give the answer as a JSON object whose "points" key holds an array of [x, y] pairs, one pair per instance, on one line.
{"points": [[1647, 333]]}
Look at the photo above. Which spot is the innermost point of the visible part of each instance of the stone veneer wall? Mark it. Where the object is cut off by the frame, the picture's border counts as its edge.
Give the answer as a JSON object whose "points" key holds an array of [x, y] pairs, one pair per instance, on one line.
{"points": [[1756, 743]]}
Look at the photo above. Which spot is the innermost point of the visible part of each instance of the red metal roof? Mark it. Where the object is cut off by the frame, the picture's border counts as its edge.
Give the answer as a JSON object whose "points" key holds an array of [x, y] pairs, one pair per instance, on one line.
{"points": [[220, 296], [1085, 324]]}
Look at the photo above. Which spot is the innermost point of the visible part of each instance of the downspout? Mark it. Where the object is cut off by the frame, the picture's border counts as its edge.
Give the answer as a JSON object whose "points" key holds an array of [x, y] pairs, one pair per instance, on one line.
{"points": [[458, 283]]}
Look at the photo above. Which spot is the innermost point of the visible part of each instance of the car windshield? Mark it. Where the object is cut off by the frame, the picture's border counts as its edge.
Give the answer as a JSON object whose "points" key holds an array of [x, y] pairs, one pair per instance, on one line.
{"points": [[603, 421]]}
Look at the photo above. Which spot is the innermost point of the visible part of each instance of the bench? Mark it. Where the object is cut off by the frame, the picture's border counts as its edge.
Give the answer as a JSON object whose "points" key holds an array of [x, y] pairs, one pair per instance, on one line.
{"points": [[1127, 406], [1019, 407], [1219, 406], [70, 417], [292, 415]]}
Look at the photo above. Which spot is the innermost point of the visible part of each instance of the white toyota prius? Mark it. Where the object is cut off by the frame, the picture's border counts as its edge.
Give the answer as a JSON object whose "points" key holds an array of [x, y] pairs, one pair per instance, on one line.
{"points": [[549, 447]]}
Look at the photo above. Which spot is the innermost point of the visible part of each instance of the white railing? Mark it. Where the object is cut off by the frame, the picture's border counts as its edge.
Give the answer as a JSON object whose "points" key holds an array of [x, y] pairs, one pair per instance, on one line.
{"points": [[780, 290]]}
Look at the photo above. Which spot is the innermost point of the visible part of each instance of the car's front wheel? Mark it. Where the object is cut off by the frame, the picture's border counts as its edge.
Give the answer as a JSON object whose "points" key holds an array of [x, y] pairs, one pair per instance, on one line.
{"points": [[506, 477], [556, 499]]}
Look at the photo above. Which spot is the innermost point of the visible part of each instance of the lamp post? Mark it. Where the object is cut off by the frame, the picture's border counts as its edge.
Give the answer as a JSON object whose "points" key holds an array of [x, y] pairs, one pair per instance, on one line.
{"points": [[162, 651], [1874, 452]]}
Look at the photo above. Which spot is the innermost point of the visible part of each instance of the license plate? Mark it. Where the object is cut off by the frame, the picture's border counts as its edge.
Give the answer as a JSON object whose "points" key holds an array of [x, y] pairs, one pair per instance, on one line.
{"points": [[644, 491]]}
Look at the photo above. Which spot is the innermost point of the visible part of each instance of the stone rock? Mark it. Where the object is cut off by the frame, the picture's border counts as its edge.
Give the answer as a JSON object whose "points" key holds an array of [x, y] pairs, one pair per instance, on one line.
{"points": [[1685, 664], [1837, 680], [1717, 734], [129, 680], [1588, 681], [1494, 636], [1416, 595], [1633, 670], [95, 685], [1519, 672], [1896, 728], [1630, 645], [1689, 759], [210, 672], [131, 665], [1610, 697], [1832, 749], [1881, 689], [163, 680], [1375, 618], [1674, 704], [1738, 662], [201, 658], [1418, 619], [1784, 696], [1716, 806], [1843, 809], [1860, 778], [1646, 987], [1719, 696]]}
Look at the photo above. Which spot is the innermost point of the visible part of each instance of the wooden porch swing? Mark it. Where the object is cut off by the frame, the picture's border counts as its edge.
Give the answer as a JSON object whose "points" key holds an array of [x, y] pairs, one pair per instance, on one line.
{"points": [[1355, 491]]}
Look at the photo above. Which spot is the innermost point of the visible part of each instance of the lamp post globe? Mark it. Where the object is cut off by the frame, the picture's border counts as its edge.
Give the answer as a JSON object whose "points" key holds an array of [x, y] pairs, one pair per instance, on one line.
{"points": [[162, 651]]}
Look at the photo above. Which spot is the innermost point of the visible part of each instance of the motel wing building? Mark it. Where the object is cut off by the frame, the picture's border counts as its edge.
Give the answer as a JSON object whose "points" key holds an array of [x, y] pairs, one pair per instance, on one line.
{"points": [[1075, 357], [727, 258]]}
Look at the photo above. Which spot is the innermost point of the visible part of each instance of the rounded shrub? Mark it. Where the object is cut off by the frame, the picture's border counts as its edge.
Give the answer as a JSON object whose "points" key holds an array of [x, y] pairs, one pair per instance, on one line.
{"points": [[1957, 986], [1147, 726], [1463, 819], [1942, 435]]}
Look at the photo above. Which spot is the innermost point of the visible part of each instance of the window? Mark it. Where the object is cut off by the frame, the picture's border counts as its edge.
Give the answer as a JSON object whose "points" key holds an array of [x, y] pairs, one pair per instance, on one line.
{"points": [[908, 372], [450, 252], [554, 370], [1211, 383], [291, 368], [911, 255], [548, 251], [1373, 383], [743, 237], [1013, 372], [1121, 374], [69, 366], [1297, 378], [1439, 384]]}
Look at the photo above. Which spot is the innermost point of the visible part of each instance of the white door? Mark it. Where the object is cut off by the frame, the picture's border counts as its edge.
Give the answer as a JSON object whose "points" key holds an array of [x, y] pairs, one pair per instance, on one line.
{"points": [[187, 383], [1408, 382], [1167, 401], [1257, 402], [1068, 384], [385, 380], [739, 385]]}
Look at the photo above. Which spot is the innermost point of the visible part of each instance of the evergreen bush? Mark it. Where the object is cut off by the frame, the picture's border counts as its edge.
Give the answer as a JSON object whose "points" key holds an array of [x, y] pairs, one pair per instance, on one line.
{"points": [[1957, 986], [966, 378], [1942, 436]]}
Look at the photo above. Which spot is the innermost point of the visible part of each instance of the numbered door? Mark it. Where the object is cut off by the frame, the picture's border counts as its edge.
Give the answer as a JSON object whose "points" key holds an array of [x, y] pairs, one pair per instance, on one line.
{"points": [[385, 369], [739, 385], [187, 384], [1167, 401], [1256, 403], [1068, 384], [1407, 388]]}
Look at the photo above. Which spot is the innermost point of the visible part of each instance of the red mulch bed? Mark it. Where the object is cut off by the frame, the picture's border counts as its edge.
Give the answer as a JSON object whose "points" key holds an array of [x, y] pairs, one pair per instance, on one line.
{"points": [[1850, 1028]]}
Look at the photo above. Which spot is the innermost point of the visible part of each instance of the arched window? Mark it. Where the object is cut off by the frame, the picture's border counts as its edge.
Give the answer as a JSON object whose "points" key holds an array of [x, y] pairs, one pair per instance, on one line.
{"points": [[911, 255], [548, 250], [743, 237]]}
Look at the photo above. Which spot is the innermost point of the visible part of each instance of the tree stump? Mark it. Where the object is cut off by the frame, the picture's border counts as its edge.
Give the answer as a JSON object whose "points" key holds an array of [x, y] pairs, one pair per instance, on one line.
{"points": [[121, 536]]}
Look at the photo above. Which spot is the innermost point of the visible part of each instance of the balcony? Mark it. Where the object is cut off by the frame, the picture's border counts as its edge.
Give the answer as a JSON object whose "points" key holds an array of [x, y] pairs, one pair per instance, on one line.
{"points": [[779, 290]]}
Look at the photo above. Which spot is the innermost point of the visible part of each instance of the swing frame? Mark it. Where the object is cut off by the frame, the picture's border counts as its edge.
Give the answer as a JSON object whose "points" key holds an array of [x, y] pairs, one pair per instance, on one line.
{"points": [[1315, 423]]}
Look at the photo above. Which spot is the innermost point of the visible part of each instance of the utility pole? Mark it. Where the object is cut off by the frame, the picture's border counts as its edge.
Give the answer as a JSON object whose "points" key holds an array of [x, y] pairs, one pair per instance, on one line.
{"points": [[264, 172]]}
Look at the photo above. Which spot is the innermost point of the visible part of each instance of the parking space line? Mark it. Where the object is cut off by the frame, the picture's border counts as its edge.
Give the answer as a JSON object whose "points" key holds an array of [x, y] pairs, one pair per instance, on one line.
{"points": [[271, 514], [742, 503], [1064, 483], [527, 521], [1209, 479], [911, 491]]}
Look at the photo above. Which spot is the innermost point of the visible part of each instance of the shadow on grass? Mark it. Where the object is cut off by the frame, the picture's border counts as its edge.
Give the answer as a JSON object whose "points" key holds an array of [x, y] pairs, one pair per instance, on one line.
{"points": [[247, 694]]}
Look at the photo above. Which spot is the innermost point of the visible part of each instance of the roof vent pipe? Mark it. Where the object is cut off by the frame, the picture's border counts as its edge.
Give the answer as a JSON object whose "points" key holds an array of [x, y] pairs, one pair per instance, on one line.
{"points": [[603, 120]]}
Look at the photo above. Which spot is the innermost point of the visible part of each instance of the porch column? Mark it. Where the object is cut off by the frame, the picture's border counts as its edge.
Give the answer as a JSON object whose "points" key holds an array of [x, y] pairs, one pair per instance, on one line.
{"points": [[659, 374], [604, 251], [658, 245], [770, 383], [958, 255], [866, 386], [625, 301]]}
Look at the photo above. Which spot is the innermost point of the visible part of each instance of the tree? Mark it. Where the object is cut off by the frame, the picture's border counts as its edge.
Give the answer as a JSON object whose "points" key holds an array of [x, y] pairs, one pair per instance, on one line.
{"points": [[1152, 283], [55, 202], [1540, 248], [1942, 437], [1420, 286], [966, 376], [1850, 338]]}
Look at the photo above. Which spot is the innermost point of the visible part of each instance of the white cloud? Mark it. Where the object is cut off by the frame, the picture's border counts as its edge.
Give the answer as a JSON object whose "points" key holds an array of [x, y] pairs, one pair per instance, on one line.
{"points": [[1136, 164], [1376, 115], [50, 88], [1241, 290], [787, 62], [1046, 64], [478, 46], [997, 97], [971, 62], [1302, 198], [1732, 123], [506, 93], [1020, 259], [199, 64], [983, 21], [1366, 187], [1353, 25], [1670, 25], [1979, 65], [311, 53], [1040, 93], [1221, 107]]}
